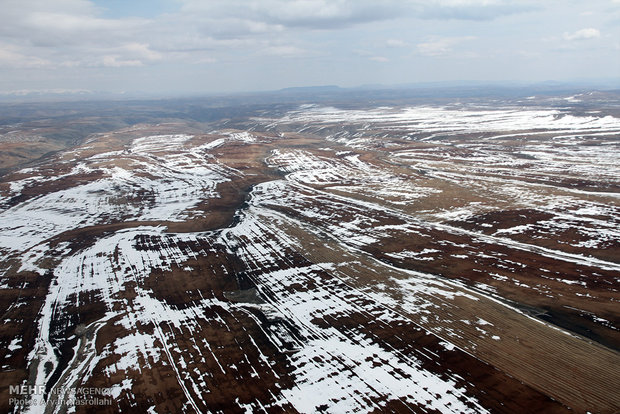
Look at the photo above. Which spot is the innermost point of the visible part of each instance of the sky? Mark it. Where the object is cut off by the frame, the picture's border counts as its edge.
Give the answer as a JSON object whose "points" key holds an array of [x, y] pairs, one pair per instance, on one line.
{"points": [[215, 46]]}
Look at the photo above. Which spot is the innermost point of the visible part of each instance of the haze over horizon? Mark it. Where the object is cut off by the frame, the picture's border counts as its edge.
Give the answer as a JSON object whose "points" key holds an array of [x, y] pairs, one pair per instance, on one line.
{"points": [[189, 46]]}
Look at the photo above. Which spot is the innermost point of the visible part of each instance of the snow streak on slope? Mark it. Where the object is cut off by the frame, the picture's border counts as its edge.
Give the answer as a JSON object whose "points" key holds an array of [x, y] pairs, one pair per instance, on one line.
{"points": [[329, 357], [115, 271], [333, 366], [159, 181], [373, 276], [346, 173], [438, 119]]}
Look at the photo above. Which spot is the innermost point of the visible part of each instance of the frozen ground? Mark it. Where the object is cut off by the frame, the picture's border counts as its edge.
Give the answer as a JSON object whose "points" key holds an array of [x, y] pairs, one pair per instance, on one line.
{"points": [[450, 259]]}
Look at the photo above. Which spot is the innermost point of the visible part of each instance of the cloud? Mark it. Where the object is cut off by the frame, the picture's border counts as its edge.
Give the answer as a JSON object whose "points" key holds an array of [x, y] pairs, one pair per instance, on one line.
{"points": [[583, 34], [60, 23], [339, 14], [318, 14], [10, 57], [396, 43], [73, 33], [141, 50], [69, 33], [283, 51], [115, 61], [196, 36], [477, 10], [441, 46]]}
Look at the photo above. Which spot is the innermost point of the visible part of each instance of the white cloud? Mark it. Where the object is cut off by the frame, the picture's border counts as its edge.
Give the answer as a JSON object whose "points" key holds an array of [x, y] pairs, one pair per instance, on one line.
{"points": [[583, 34], [477, 10], [283, 51], [197, 37], [61, 23], [141, 50], [10, 57], [441, 46], [73, 33], [396, 43], [326, 14], [115, 61], [338, 14]]}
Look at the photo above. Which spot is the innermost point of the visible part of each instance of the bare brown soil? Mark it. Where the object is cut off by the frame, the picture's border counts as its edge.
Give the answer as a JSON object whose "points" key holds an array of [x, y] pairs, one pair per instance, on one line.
{"points": [[515, 362], [571, 369]]}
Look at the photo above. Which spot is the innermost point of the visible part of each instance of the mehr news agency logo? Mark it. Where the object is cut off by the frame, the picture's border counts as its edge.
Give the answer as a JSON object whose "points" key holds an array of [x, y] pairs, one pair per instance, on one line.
{"points": [[30, 395]]}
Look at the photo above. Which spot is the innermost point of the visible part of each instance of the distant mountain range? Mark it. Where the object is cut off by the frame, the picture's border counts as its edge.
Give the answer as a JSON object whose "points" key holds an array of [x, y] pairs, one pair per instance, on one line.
{"points": [[439, 89]]}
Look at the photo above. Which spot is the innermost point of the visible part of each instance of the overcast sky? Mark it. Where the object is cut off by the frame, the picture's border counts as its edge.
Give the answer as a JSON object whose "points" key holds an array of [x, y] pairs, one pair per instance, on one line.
{"points": [[194, 46]]}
